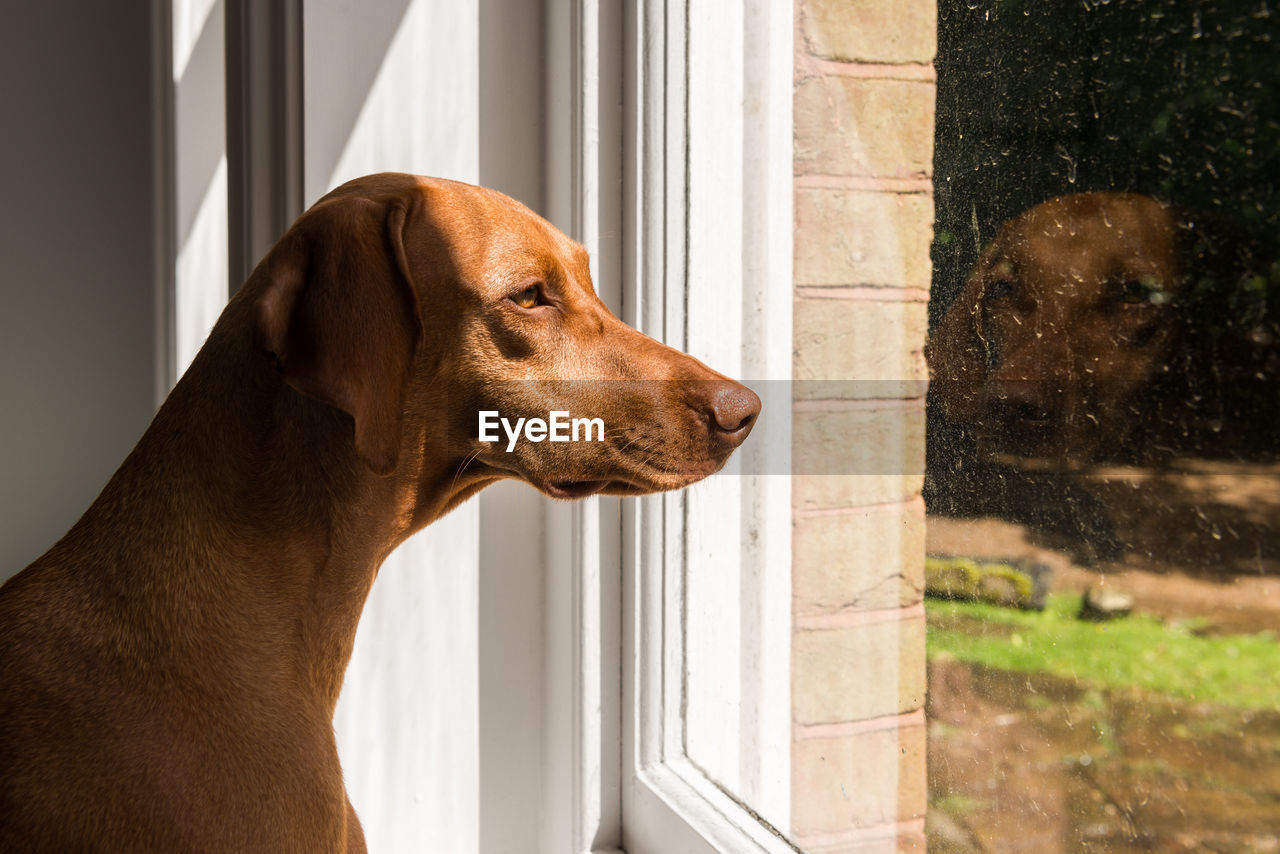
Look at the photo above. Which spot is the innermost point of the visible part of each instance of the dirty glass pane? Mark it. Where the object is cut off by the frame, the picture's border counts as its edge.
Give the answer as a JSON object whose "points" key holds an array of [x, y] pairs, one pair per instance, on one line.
{"points": [[1103, 485]]}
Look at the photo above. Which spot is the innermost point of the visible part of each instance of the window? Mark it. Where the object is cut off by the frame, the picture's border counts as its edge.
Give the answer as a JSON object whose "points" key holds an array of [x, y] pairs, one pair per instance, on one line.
{"points": [[707, 581], [1102, 442]]}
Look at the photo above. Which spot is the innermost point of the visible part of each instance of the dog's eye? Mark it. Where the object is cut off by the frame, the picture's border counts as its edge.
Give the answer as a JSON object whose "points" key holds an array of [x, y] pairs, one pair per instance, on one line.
{"points": [[530, 297], [1141, 292]]}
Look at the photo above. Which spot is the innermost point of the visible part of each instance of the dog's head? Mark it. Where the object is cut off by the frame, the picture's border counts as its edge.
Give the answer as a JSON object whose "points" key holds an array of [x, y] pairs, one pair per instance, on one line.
{"points": [[426, 309], [1067, 315]]}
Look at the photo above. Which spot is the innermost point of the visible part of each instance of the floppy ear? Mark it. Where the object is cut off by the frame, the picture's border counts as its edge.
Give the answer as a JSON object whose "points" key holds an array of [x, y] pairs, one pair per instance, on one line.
{"points": [[957, 355], [339, 314]]}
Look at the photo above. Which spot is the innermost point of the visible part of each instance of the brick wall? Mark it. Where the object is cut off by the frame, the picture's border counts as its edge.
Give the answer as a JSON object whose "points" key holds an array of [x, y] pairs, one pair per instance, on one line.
{"points": [[864, 107]]}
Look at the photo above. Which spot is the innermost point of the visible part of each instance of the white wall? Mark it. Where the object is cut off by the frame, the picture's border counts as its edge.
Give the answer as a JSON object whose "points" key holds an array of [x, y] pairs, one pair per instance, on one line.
{"points": [[78, 355]]}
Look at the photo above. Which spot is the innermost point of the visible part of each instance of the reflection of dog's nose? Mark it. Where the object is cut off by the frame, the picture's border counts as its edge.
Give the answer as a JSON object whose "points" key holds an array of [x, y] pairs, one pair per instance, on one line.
{"points": [[733, 410], [1020, 406]]}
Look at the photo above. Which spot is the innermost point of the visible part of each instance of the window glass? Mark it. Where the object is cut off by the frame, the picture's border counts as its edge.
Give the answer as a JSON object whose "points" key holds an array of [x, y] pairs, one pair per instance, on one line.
{"points": [[1102, 481]]}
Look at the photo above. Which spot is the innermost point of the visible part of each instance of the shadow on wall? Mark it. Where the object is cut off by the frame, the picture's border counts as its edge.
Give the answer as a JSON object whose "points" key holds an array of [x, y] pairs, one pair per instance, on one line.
{"points": [[78, 353]]}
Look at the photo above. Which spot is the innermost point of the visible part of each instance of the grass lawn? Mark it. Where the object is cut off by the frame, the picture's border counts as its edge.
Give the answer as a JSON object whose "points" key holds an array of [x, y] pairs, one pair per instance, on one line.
{"points": [[1240, 671]]}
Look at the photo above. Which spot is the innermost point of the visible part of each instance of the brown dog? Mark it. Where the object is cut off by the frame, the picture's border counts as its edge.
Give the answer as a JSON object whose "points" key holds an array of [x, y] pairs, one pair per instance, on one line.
{"points": [[169, 669], [1066, 317]]}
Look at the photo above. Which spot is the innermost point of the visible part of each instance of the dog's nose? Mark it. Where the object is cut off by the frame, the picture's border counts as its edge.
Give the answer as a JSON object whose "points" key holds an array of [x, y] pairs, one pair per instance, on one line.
{"points": [[1021, 406], [733, 409]]}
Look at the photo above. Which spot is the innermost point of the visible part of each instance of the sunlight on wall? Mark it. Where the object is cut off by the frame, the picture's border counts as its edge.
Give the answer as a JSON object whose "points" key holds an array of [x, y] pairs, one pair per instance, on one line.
{"points": [[201, 290], [190, 17], [200, 173], [863, 216], [439, 135], [418, 111]]}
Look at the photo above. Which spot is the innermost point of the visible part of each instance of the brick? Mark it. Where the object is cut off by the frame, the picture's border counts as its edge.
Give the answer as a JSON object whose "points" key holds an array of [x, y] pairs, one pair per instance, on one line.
{"points": [[857, 672], [832, 491], [859, 439], [876, 844], [864, 127], [870, 30], [867, 559], [861, 237], [879, 346], [894, 841], [858, 781]]}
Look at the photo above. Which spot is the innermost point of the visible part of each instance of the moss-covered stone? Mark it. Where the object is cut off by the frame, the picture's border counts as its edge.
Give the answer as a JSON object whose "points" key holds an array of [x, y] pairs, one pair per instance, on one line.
{"points": [[1013, 585]]}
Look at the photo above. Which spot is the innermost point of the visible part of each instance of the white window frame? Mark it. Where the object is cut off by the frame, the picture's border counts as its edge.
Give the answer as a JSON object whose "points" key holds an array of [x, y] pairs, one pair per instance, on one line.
{"points": [[653, 798]]}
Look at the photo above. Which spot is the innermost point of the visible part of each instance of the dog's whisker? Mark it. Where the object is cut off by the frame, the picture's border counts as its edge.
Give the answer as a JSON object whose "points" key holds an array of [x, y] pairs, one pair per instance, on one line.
{"points": [[463, 466]]}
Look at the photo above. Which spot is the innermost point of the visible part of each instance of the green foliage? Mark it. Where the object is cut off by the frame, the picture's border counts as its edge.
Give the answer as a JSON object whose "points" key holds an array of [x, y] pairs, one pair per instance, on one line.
{"points": [[1139, 651]]}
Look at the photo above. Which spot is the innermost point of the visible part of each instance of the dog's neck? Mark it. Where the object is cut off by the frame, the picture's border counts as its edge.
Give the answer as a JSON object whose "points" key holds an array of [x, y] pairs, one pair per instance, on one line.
{"points": [[248, 531]]}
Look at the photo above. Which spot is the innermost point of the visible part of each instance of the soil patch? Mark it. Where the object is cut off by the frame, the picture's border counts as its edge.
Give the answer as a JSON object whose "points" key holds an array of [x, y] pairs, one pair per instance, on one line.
{"points": [[1031, 763]]}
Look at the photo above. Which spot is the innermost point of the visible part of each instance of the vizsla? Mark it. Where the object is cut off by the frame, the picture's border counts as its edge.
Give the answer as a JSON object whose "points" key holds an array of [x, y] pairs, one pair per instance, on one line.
{"points": [[1067, 316], [169, 669]]}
